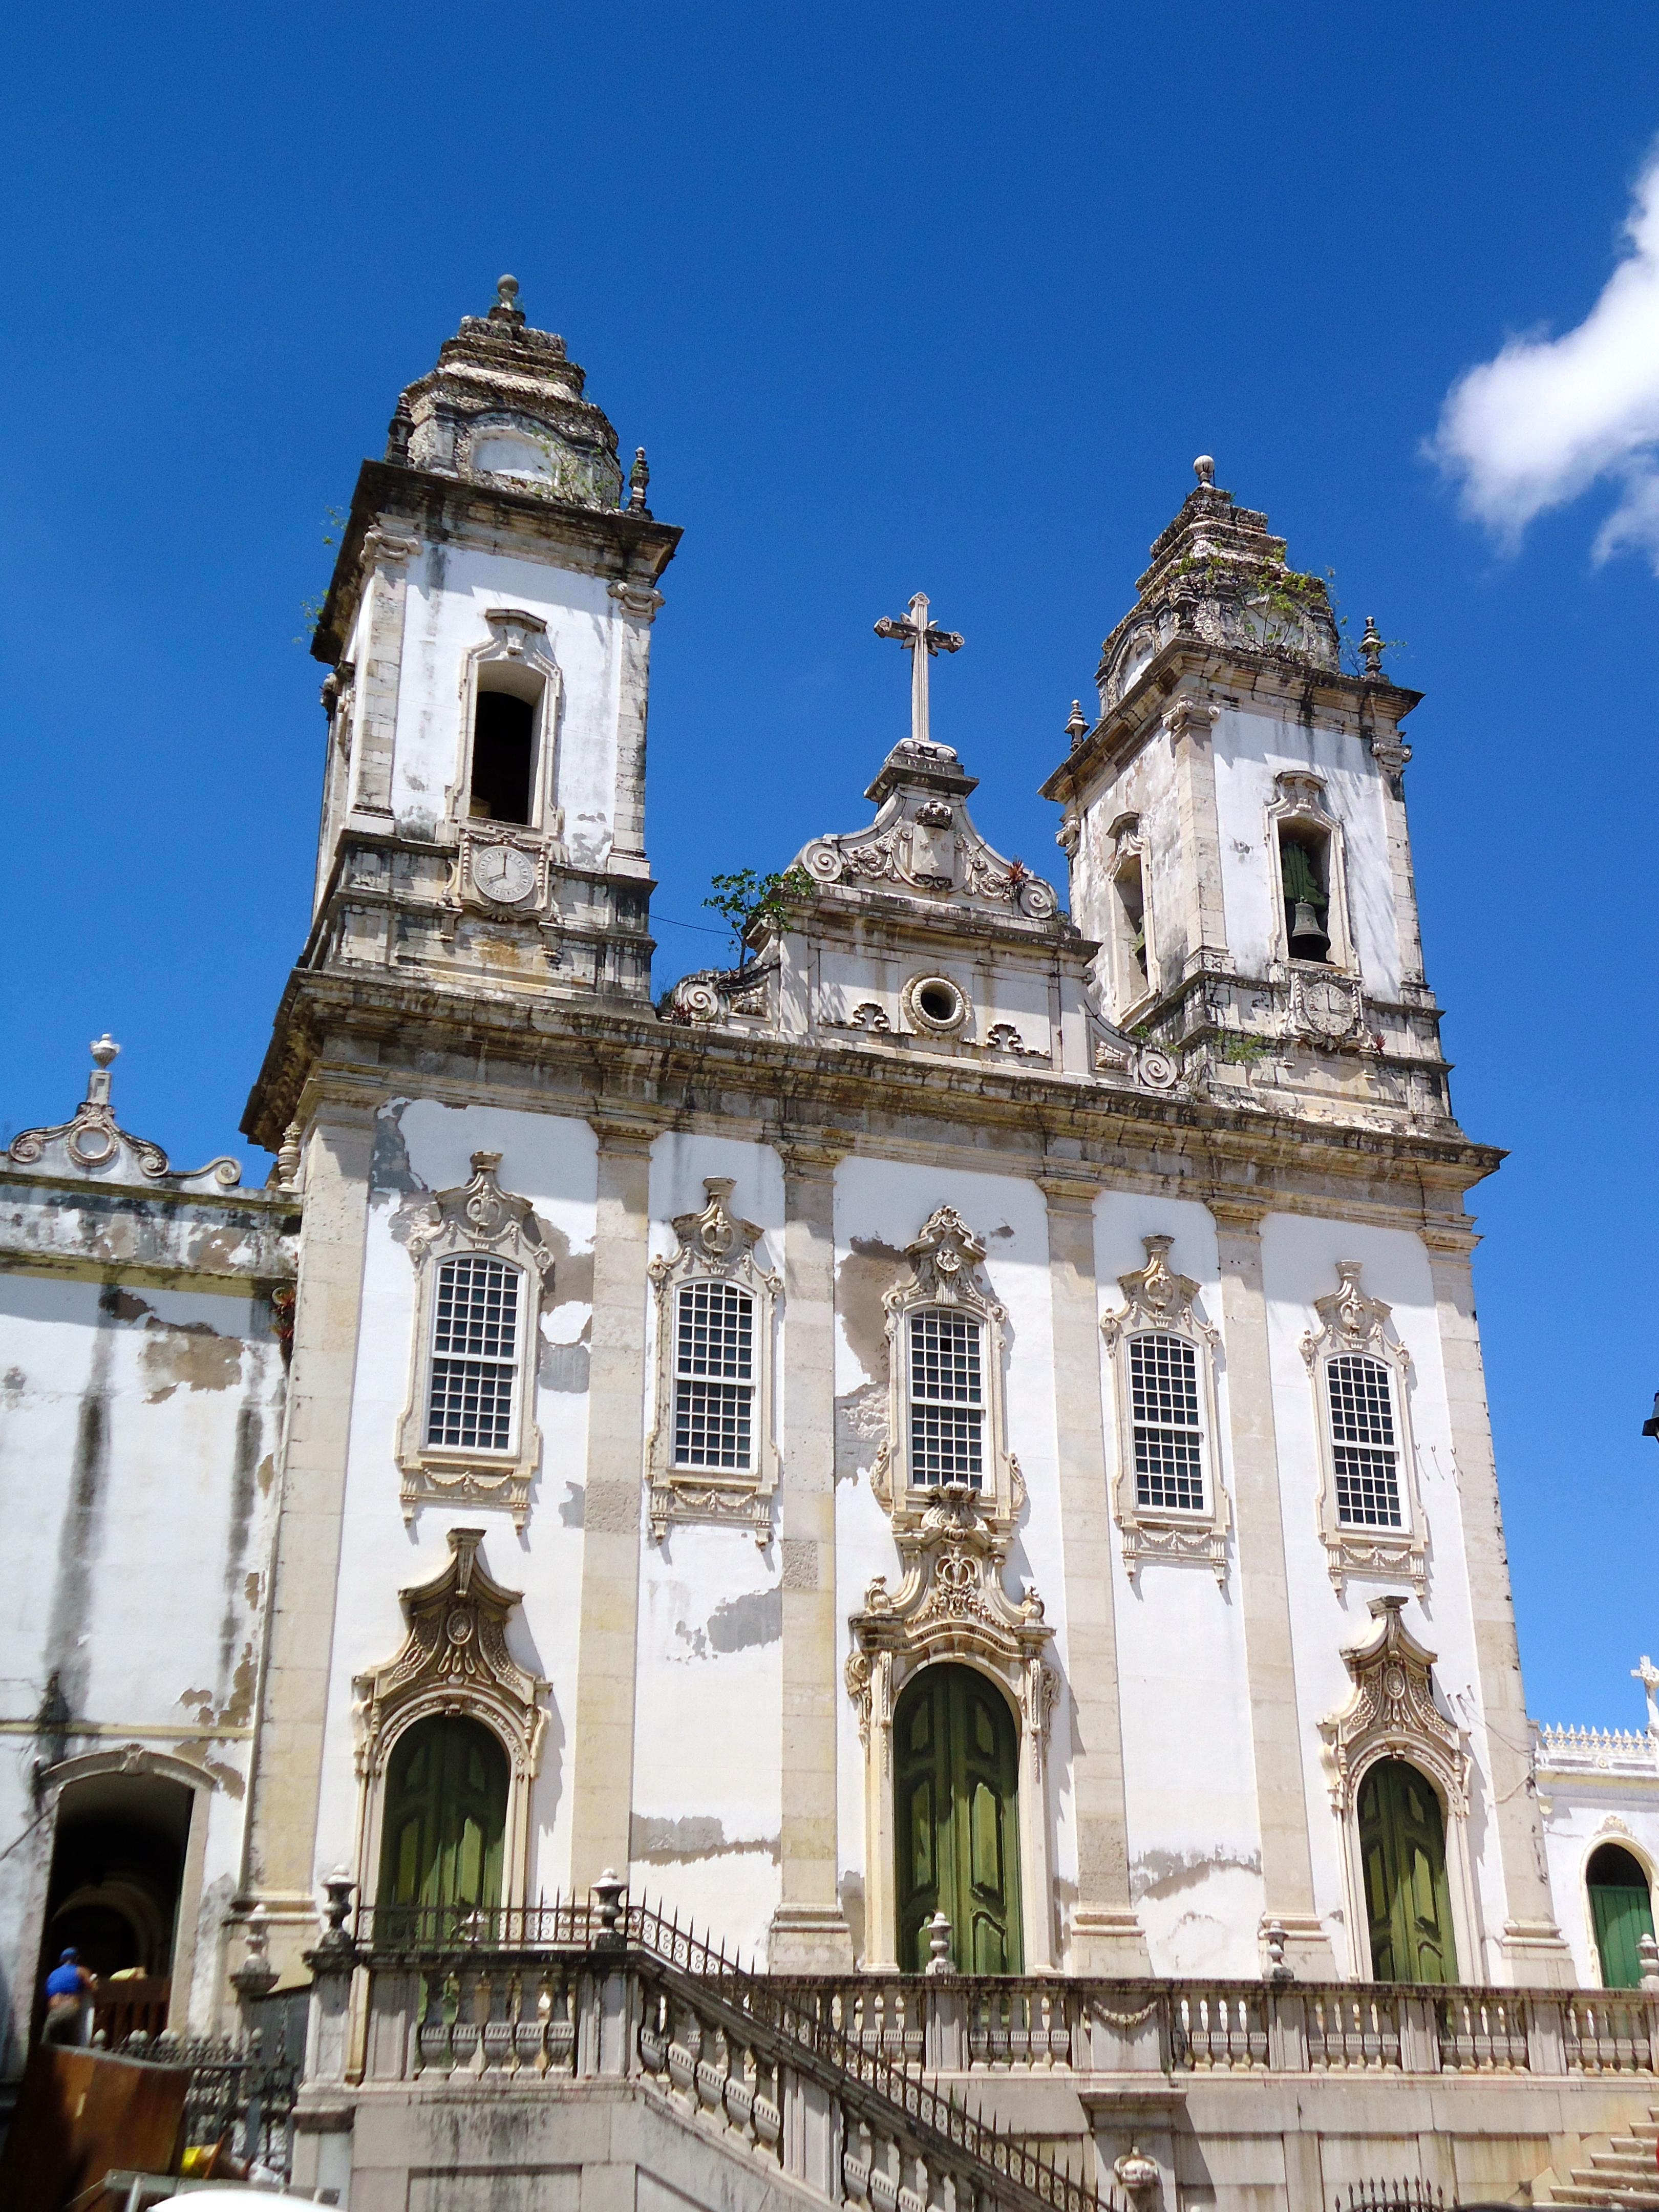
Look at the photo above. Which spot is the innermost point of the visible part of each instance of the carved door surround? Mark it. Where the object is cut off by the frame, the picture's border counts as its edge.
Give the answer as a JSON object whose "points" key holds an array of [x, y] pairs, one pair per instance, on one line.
{"points": [[454, 1659], [1158, 1301], [1353, 1322], [951, 1605], [478, 1216], [1392, 1713], [715, 1246]]}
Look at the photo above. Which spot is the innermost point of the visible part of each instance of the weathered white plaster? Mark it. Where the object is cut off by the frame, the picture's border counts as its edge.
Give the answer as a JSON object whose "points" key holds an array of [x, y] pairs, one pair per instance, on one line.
{"points": [[1299, 1257], [450, 587], [1194, 1836]]}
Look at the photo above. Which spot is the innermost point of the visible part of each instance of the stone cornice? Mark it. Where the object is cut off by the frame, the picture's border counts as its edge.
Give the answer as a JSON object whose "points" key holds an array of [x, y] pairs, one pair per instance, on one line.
{"points": [[631, 548], [1364, 702], [376, 1032]]}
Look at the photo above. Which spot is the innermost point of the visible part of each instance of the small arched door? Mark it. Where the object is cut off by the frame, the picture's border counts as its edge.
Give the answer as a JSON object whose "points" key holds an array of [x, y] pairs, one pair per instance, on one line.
{"points": [[956, 1814], [1621, 1911], [444, 1828], [1402, 1844]]}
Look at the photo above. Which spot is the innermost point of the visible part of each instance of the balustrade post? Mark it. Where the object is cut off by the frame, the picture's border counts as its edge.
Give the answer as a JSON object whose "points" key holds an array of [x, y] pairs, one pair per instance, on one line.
{"points": [[945, 2026], [1546, 2032], [1287, 2029], [1419, 2035]]}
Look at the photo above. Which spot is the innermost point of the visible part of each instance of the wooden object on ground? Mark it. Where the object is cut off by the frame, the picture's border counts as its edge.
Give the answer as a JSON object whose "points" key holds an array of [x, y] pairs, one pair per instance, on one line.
{"points": [[81, 2112]]}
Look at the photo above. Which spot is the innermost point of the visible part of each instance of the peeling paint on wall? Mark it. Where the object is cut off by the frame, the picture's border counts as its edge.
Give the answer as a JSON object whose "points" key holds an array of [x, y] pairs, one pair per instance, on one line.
{"points": [[736, 1624], [573, 1506], [562, 1366], [1164, 1873], [389, 1168], [191, 1354], [659, 1841]]}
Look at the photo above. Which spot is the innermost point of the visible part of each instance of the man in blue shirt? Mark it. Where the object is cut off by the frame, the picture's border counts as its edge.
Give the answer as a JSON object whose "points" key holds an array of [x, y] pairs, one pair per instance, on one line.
{"points": [[68, 1986]]}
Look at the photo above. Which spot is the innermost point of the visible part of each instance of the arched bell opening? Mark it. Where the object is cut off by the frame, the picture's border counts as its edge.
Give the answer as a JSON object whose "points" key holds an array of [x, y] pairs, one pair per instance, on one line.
{"points": [[1621, 1913], [956, 1792], [443, 1827], [1403, 1849], [120, 1844]]}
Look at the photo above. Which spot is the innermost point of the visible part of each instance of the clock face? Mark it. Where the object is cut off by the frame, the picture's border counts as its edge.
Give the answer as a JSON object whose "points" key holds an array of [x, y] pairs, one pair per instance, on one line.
{"points": [[503, 873]]}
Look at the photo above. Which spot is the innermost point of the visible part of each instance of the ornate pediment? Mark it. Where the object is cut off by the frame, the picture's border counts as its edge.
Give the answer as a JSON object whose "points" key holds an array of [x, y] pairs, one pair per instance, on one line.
{"points": [[454, 1660], [1155, 1297], [923, 845], [951, 1604], [1350, 1320], [479, 1214], [91, 1145], [1392, 1714]]}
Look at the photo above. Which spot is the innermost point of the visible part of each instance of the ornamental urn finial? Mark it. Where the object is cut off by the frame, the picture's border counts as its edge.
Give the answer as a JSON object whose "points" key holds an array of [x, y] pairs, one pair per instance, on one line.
{"points": [[1204, 470], [638, 477], [1371, 648], [1077, 723], [507, 308]]}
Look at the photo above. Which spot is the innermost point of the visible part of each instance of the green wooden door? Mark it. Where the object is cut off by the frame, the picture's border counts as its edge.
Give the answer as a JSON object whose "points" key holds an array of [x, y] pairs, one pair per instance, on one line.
{"points": [[1622, 1912], [445, 1821], [955, 1803], [1402, 1843]]}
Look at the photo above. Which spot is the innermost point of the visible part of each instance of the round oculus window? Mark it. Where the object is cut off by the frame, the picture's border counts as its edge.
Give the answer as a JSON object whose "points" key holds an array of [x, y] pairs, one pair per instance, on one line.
{"points": [[935, 1003]]}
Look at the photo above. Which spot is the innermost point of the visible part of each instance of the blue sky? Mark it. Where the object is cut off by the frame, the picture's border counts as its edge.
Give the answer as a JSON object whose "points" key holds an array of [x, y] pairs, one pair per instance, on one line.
{"points": [[935, 298]]}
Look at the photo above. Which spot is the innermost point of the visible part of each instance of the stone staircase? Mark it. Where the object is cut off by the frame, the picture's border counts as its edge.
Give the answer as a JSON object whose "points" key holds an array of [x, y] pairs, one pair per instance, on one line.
{"points": [[1624, 2171]]}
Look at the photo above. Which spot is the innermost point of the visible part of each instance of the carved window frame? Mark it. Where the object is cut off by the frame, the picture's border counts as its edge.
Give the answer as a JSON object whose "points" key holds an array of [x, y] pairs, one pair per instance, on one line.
{"points": [[1299, 800], [1131, 995], [454, 1659], [1159, 1302], [517, 641], [945, 1262], [715, 1246], [478, 1216], [1392, 1712], [1353, 1324]]}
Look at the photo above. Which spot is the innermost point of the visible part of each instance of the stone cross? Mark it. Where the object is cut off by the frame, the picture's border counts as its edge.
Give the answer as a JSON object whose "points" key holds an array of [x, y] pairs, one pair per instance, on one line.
{"points": [[1648, 1675], [921, 638]]}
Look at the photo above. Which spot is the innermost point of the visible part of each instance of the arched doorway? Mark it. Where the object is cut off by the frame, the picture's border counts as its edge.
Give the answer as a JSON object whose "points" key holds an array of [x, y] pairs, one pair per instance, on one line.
{"points": [[118, 1864], [955, 1752], [444, 1828], [1621, 1912], [1402, 1848]]}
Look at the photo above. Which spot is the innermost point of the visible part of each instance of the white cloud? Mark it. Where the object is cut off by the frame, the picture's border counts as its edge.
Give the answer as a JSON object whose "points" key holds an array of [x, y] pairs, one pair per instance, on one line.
{"points": [[1538, 425]]}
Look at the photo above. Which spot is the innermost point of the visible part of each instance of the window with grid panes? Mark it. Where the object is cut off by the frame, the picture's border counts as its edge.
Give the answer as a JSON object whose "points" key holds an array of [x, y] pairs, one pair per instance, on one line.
{"points": [[713, 1376], [1164, 1411], [1363, 1444], [947, 1405], [474, 1355]]}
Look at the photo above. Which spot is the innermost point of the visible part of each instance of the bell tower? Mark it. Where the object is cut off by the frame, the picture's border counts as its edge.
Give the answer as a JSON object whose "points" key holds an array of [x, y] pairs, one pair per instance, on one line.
{"points": [[1236, 825], [488, 634]]}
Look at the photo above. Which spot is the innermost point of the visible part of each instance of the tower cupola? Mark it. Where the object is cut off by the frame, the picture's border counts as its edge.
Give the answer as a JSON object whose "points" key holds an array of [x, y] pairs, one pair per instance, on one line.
{"points": [[504, 405]]}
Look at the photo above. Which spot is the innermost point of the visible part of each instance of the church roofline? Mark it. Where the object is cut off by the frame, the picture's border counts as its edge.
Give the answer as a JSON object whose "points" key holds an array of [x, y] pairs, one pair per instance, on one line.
{"points": [[634, 544]]}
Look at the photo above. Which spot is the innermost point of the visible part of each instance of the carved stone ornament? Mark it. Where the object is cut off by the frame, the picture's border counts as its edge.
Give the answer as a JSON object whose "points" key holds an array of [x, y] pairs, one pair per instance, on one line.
{"points": [[1391, 1713], [478, 1216], [922, 844], [1158, 1302], [91, 1145], [945, 1261], [951, 1605], [1300, 798], [454, 1659], [501, 866], [715, 1246], [1351, 1323], [716, 995]]}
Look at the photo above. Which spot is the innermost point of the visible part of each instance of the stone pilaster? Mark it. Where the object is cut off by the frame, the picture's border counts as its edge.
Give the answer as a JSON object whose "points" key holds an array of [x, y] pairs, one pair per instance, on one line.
{"points": [[1391, 754], [381, 673], [288, 1756], [809, 1933], [1105, 1935], [1531, 1942], [602, 1758], [1264, 1595], [638, 604], [1190, 723]]}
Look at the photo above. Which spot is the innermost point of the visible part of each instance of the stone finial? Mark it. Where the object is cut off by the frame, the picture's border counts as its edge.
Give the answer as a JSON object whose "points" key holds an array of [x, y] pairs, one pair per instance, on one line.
{"points": [[104, 1049], [1371, 648], [1204, 470], [1077, 723], [939, 1961], [507, 308], [639, 477]]}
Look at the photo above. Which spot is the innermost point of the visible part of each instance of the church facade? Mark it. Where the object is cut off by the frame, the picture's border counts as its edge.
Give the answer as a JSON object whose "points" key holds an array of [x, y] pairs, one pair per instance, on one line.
{"points": [[959, 1440]]}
